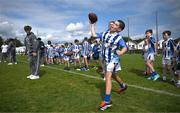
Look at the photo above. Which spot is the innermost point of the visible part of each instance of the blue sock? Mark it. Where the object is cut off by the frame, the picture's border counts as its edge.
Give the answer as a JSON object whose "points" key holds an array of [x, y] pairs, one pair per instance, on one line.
{"points": [[107, 98], [121, 85]]}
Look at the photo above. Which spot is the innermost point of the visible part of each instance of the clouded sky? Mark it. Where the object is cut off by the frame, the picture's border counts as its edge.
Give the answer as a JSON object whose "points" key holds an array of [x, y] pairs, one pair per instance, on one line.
{"points": [[66, 20]]}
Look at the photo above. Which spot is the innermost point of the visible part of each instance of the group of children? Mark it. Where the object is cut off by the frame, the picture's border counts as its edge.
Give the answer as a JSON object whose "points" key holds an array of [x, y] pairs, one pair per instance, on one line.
{"points": [[79, 54], [170, 57]]}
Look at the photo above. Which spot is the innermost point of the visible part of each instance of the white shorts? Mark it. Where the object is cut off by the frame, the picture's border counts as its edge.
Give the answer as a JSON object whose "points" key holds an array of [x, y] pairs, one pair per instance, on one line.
{"points": [[166, 61], [76, 56], [150, 56], [66, 58], [113, 67]]}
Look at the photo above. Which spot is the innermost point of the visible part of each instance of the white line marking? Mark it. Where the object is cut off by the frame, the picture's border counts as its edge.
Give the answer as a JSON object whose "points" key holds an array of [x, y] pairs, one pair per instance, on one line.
{"points": [[134, 86]]}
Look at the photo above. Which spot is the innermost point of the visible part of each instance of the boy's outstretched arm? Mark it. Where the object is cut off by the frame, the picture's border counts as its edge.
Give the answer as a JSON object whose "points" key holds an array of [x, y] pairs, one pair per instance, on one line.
{"points": [[93, 30]]}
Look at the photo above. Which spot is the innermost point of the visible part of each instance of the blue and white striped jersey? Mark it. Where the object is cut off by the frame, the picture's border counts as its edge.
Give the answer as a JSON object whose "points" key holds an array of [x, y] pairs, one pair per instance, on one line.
{"points": [[86, 48], [151, 46], [110, 43], [67, 49], [50, 50], [168, 49], [76, 48], [61, 50], [178, 50]]}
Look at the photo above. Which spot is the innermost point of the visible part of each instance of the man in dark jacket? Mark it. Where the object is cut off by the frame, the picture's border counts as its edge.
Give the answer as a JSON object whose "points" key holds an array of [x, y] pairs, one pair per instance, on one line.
{"points": [[12, 52], [33, 51], [42, 51]]}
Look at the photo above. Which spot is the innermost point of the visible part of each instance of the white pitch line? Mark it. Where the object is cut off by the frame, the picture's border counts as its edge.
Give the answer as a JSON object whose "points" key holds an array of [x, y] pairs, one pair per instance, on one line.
{"points": [[134, 86]]}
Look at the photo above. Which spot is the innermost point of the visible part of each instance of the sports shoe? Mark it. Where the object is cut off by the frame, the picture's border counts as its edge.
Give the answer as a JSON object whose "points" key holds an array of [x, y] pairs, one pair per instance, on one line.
{"points": [[151, 77], [83, 69], [15, 63], [104, 105], [156, 77], [10, 63], [34, 77], [120, 90], [78, 69], [30, 76], [42, 65]]}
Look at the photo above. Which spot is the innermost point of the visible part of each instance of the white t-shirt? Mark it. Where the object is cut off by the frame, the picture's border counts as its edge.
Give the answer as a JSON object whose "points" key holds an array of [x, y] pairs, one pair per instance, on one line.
{"points": [[4, 48]]}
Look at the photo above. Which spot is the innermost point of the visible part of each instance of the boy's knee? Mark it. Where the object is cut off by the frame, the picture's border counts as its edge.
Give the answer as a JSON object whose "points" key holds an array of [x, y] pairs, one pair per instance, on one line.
{"points": [[108, 75]]}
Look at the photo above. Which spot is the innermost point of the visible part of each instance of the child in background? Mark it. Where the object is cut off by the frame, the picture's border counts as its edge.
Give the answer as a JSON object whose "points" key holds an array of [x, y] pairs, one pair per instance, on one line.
{"points": [[152, 51], [50, 52], [96, 51], [61, 54], [86, 51], [77, 50], [178, 64], [168, 55], [67, 51], [145, 54]]}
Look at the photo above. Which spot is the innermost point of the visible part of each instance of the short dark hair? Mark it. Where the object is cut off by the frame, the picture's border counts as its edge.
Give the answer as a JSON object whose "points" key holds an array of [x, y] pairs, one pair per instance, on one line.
{"points": [[66, 44], [39, 38], [49, 42], [149, 30], [85, 38], [76, 40], [27, 28], [121, 25], [167, 32]]}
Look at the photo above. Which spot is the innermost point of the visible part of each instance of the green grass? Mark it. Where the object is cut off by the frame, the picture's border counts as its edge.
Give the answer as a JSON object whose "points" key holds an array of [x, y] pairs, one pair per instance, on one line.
{"points": [[59, 91]]}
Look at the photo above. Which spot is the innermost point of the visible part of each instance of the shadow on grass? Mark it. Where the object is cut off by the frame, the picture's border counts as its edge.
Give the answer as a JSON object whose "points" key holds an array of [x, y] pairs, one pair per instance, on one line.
{"points": [[99, 85], [138, 72], [42, 73]]}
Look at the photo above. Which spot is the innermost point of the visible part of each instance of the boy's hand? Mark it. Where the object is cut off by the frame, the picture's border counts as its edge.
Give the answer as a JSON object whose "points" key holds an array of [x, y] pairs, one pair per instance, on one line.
{"points": [[34, 54]]}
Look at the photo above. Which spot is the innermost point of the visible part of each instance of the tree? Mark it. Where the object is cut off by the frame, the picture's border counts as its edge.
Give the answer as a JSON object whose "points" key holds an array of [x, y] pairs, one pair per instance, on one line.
{"points": [[17, 42], [1, 41]]}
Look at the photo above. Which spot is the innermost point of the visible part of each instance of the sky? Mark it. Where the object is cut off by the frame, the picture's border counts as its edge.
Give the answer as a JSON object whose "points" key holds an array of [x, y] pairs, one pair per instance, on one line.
{"points": [[67, 20]]}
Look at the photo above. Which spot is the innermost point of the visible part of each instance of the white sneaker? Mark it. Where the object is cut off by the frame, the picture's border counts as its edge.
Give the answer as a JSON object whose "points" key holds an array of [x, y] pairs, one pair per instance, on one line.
{"points": [[78, 69], [164, 78], [30, 76], [104, 78], [15, 63], [10, 63], [0, 61], [42, 65], [34, 77]]}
